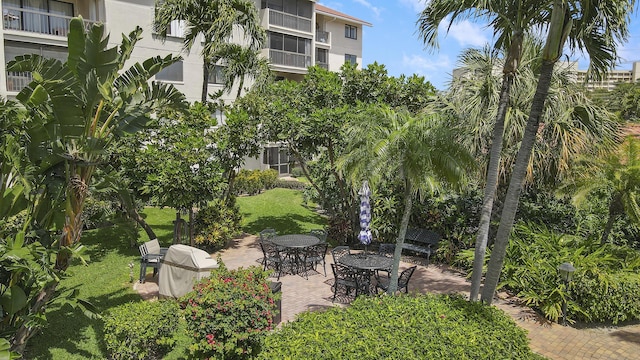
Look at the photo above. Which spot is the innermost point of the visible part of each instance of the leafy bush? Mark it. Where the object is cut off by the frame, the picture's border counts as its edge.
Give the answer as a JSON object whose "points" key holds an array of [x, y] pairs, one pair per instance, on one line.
{"points": [[216, 224], [141, 330], [97, 212], [269, 178], [288, 184], [401, 327], [254, 181], [297, 172], [229, 313], [605, 287]]}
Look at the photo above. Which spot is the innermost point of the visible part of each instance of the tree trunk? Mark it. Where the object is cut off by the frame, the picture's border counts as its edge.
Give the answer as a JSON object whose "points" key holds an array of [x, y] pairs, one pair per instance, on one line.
{"points": [[135, 215], [240, 85], [25, 332], [490, 187], [231, 182], [408, 203], [205, 80], [515, 184], [177, 229], [191, 223], [615, 203]]}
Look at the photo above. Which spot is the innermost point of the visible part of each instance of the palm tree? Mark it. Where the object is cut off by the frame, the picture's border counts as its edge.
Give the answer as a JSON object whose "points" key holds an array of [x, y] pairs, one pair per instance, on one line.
{"points": [[510, 21], [596, 27], [242, 63], [618, 176], [216, 21], [573, 125], [419, 151]]}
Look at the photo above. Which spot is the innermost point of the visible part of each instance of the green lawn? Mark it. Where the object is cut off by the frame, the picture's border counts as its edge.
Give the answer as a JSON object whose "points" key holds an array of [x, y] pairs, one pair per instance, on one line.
{"points": [[280, 209], [106, 281]]}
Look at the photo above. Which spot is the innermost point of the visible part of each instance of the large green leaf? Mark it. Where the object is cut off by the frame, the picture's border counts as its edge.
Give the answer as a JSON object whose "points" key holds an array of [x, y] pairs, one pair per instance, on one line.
{"points": [[13, 300]]}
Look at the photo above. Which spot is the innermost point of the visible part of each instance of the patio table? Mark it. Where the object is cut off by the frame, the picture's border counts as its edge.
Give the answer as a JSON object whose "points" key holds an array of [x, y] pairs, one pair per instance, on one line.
{"points": [[295, 243], [367, 264]]}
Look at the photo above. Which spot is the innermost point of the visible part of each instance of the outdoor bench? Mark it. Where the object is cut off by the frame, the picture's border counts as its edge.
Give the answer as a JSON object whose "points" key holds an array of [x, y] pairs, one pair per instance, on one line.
{"points": [[421, 241]]}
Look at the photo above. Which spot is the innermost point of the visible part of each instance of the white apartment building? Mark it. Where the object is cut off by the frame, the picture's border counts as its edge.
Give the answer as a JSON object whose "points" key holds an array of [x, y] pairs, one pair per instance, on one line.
{"points": [[611, 79], [300, 33]]}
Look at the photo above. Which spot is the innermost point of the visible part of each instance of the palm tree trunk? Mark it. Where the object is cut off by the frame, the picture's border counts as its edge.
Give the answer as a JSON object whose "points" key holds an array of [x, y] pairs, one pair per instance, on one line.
{"points": [[490, 187], [610, 221], [205, 81], [240, 85], [135, 215], [408, 204], [515, 184]]}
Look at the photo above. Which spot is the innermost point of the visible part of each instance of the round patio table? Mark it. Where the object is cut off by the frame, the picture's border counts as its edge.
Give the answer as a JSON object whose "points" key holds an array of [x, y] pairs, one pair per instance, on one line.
{"points": [[367, 262], [295, 241]]}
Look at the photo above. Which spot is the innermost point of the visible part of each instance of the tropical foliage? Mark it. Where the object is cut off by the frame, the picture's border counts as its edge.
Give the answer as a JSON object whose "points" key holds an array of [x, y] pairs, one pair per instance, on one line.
{"points": [[77, 108], [420, 152]]}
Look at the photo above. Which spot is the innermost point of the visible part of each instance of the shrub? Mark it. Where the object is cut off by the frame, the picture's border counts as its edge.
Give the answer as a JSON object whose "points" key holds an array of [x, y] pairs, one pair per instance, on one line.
{"points": [[248, 182], [401, 327], [297, 172], [268, 178], [288, 184], [141, 330], [605, 287], [216, 224], [229, 313]]}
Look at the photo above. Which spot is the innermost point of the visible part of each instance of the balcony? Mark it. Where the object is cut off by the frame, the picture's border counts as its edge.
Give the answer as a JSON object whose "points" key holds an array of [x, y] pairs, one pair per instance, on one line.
{"points": [[323, 65], [17, 81], [38, 22], [279, 18], [286, 58], [323, 37]]}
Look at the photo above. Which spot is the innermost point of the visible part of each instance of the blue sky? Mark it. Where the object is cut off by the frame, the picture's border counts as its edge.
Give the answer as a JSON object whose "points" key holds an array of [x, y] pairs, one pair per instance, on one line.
{"points": [[393, 40]]}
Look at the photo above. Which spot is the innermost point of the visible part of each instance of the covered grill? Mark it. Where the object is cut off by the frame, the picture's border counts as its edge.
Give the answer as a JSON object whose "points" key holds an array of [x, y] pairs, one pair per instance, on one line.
{"points": [[181, 267]]}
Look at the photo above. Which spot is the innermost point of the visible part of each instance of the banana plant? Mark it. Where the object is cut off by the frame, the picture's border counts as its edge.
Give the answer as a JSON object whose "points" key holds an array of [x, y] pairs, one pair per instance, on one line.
{"points": [[83, 104]]}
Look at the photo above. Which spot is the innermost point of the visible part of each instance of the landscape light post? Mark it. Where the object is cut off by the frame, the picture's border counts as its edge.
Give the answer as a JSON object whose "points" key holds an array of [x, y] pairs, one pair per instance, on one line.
{"points": [[566, 273]]}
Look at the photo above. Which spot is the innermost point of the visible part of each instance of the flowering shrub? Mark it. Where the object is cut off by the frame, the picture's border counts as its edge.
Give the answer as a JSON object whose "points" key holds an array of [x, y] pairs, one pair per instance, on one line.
{"points": [[229, 313]]}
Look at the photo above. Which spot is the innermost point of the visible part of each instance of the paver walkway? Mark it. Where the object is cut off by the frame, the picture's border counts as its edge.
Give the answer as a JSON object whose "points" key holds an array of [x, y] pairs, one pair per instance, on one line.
{"points": [[549, 339]]}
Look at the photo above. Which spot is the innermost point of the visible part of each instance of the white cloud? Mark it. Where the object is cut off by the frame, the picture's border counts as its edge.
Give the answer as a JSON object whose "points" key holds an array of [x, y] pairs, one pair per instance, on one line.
{"points": [[376, 10], [416, 5], [466, 33], [423, 66]]}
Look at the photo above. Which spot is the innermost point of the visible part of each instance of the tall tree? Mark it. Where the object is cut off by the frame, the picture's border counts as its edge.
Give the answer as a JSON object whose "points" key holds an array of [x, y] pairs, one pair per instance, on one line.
{"points": [[420, 151], [510, 21], [594, 26], [82, 105], [243, 63], [217, 22]]}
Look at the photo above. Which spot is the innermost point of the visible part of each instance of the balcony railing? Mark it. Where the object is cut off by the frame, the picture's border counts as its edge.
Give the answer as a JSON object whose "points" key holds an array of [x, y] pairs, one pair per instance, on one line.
{"points": [[283, 19], [17, 81], [37, 21], [323, 36], [323, 65], [287, 58]]}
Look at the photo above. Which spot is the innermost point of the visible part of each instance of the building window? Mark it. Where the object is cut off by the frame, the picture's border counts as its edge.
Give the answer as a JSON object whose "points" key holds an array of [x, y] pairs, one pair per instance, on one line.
{"points": [[216, 75], [277, 158], [289, 43], [172, 72], [176, 28], [350, 32], [322, 58], [300, 8], [350, 58]]}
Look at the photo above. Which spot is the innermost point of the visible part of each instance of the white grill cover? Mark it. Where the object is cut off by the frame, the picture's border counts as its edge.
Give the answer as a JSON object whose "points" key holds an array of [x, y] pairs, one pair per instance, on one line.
{"points": [[181, 267]]}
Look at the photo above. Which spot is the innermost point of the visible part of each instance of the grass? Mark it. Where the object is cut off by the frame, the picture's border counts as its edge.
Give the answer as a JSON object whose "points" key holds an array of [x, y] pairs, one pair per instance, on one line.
{"points": [[280, 209], [106, 281]]}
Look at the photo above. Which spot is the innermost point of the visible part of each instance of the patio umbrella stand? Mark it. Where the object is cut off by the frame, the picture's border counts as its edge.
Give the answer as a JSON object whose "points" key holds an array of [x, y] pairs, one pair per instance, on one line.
{"points": [[365, 216]]}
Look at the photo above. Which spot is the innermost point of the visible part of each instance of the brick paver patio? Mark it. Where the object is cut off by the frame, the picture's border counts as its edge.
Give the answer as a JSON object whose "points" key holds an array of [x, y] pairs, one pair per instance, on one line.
{"points": [[549, 339]]}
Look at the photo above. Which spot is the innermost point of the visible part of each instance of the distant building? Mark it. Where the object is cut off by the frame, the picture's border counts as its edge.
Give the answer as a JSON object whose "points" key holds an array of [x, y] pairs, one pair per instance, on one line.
{"points": [[611, 79]]}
